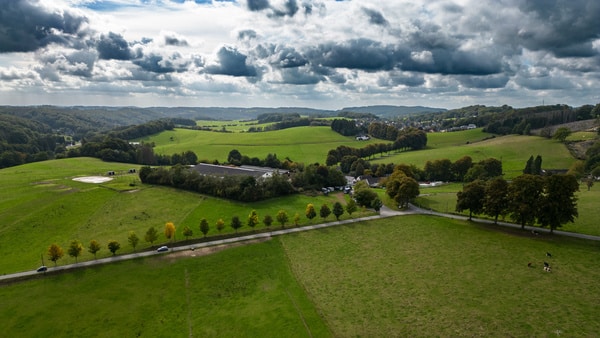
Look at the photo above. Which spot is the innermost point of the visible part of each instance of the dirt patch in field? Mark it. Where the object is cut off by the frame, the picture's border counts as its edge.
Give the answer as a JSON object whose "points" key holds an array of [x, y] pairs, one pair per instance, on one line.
{"points": [[211, 249]]}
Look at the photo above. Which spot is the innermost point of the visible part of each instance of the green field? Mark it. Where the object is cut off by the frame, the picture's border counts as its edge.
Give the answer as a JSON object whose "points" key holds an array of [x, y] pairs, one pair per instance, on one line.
{"points": [[415, 276], [311, 145], [512, 150], [246, 291], [302, 144], [40, 204], [409, 276]]}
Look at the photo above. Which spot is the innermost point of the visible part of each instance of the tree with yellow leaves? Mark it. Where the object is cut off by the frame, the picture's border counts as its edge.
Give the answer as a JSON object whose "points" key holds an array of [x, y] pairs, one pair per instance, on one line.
{"points": [[170, 230]]}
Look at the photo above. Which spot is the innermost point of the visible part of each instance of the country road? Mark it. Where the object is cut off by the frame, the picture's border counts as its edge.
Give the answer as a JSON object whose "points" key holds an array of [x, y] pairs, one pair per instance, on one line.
{"points": [[384, 212]]}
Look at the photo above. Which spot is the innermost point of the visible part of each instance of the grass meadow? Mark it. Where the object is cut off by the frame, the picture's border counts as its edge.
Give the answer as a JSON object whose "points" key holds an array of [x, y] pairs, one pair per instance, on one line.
{"points": [[246, 291], [40, 205], [416, 276], [293, 143], [302, 144], [512, 150]]}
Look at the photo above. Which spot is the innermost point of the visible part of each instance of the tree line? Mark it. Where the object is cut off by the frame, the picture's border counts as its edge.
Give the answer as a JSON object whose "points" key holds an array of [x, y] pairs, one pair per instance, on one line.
{"points": [[245, 188], [407, 139], [55, 252], [548, 201]]}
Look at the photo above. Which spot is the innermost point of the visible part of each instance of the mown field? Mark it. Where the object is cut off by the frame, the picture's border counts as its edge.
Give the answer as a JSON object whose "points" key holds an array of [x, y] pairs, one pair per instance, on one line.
{"points": [[40, 204], [414, 276]]}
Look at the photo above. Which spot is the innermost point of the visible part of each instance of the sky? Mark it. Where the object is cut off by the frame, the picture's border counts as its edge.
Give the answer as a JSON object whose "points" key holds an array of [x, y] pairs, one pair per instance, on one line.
{"points": [[323, 54]]}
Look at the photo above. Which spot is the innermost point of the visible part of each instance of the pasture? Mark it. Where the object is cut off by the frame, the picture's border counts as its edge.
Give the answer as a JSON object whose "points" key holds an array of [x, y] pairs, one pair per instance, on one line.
{"points": [[302, 144], [40, 204], [512, 150], [415, 276]]}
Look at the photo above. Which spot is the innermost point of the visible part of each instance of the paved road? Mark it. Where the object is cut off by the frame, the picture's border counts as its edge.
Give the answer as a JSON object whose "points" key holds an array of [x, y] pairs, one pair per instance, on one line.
{"points": [[384, 212], [510, 225]]}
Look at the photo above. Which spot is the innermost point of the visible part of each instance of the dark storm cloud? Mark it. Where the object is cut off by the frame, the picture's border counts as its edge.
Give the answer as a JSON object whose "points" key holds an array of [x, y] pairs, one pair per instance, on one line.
{"points": [[565, 27], [375, 17], [159, 64], [365, 54], [394, 79], [456, 62], [113, 47], [483, 82], [25, 26], [231, 62], [175, 41], [290, 7], [544, 83], [258, 5], [299, 76]]}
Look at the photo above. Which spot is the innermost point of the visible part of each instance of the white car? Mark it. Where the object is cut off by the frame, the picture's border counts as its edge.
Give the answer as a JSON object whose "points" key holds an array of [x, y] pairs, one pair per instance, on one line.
{"points": [[163, 248]]}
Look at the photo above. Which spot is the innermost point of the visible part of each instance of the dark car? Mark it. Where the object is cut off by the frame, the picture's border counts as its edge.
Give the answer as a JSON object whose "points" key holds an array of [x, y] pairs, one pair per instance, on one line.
{"points": [[163, 249], [42, 268]]}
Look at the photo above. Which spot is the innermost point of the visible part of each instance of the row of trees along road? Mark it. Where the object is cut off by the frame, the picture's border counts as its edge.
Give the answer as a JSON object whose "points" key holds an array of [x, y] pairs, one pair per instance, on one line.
{"points": [[549, 201], [75, 249]]}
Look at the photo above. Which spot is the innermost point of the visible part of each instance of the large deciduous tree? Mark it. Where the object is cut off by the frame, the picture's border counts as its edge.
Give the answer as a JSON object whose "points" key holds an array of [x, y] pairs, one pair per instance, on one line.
{"points": [[75, 249], [471, 198], [524, 193], [558, 204], [561, 134], [461, 167], [496, 198], [55, 252], [363, 194]]}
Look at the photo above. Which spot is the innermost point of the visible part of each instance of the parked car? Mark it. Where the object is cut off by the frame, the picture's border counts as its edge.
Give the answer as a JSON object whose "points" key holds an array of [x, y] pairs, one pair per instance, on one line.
{"points": [[42, 268], [163, 248]]}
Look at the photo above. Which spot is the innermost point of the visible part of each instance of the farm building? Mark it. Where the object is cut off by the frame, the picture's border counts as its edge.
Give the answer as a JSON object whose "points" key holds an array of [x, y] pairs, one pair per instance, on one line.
{"points": [[222, 171]]}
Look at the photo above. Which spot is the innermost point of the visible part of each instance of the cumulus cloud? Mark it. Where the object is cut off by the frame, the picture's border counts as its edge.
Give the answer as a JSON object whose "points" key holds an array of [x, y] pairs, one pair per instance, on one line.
{"points": [[113, 47], [27, 26], [76, 63], [362, 54], [329, 50], [231, 62]]}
